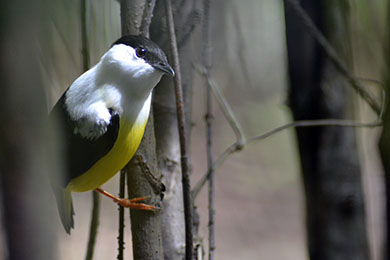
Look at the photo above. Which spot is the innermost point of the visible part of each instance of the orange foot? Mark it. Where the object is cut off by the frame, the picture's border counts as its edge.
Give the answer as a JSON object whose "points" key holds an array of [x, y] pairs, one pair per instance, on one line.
{"points": [[129, 203], [133, 204]]}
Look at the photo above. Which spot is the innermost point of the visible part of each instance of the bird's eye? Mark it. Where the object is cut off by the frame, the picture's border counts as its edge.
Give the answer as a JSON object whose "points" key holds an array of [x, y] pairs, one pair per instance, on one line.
{"points": [[141, 52]]}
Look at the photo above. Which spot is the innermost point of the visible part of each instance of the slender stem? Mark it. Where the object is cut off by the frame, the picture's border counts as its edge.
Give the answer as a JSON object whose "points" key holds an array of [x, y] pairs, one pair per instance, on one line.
{"points": [[207, 63], [84, 35], [319, 122], [121, 242], [333, 56], [242, 141], [93, 229], [210, 159], [94, 225], [223, 104], [304, 123], [182, 133]]}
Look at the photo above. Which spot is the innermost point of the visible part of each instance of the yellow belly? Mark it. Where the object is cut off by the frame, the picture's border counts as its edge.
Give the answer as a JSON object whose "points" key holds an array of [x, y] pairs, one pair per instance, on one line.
{"points": [[129, 138]]}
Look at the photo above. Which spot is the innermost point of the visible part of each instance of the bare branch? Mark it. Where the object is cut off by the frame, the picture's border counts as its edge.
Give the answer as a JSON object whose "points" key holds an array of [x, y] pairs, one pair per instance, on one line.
{"points": [[95, 214], [145, 226], [121, 229], [207, 63], [131, 11], [198, 187], [182, 133], [147, 17], [312, 123], [240, 143], [333, 56], [304, 123], [227, 111], [93, 229], [84, 35]]}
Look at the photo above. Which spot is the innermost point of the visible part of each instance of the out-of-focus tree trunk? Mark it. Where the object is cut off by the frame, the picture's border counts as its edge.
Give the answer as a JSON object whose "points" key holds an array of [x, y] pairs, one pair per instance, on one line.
{"points": [[145, 226], [384, 142], [331, 171], [167, 138], [25, 189]]}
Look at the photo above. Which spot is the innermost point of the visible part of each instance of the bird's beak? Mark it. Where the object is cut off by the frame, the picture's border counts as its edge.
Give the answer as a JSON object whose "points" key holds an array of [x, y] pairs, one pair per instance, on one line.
{"points": [[165, 67]]}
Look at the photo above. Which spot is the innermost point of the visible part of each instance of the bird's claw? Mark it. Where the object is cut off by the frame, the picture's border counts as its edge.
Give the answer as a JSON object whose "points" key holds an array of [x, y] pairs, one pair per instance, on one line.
{"points": [[134, 204]]}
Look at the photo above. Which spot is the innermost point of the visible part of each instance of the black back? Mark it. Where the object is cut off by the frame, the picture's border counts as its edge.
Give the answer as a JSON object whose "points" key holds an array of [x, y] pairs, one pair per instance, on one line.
{"points": [[81, 153]]}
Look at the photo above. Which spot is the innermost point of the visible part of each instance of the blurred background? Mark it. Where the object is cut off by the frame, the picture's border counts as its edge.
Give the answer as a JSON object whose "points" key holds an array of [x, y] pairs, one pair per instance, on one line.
{"points": [[259, 194]]}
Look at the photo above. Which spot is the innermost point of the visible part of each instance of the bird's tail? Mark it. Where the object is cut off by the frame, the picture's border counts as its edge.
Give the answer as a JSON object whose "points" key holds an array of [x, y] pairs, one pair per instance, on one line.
{"points": [[65, 208]]}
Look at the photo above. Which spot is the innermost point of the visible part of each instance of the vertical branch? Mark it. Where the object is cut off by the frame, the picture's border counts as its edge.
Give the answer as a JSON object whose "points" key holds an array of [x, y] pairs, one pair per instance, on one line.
{"points": [[94, 225], [145, 226], [209, 119], [332, 55], [207, 63], [335, 212], [121, 242], [206, 55], [182, 133], [384, 141], [165, 119], [143, 180], [84, 35], [147, 17], [130, 16], [95, 196]]}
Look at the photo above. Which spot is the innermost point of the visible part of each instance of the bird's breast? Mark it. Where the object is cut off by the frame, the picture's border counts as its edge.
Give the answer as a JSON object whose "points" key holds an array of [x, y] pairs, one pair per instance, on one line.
{"points": [[131, 130]]}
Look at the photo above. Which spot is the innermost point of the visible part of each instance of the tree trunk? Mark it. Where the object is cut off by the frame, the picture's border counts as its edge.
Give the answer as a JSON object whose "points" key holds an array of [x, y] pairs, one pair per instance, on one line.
{"points": [[331, 171], [384, 148], [145, 226], [384, 142], [168, 154], [167, 138], [24, 185]]}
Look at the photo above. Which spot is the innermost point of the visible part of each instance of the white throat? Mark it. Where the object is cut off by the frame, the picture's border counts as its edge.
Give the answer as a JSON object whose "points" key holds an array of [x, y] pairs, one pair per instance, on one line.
{"points": [[120, 81]]}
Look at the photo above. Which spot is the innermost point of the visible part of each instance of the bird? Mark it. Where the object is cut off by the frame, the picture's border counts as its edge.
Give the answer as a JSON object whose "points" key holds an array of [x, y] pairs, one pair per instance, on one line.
{"points": [[101, 118]]}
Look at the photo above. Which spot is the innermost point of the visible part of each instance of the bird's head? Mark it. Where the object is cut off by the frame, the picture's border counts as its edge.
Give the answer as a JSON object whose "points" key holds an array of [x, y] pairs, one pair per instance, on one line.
{"points": [[138, 57]]}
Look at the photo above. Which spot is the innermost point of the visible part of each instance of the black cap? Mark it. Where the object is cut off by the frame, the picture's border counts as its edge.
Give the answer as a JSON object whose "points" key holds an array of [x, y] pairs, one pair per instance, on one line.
{"points": [[149, 51]]}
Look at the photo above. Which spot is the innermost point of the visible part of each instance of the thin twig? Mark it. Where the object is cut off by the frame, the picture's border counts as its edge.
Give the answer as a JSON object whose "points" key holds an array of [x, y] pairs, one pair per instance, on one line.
{"points": [[210, 159], [182, 133], [94, 225], [198, 187], [207, 63], [319, 122], [333, 56], [227, 111], [309, 123], [239, 144], [121, 230], [95, 214], [84, 36], [147, 17]]}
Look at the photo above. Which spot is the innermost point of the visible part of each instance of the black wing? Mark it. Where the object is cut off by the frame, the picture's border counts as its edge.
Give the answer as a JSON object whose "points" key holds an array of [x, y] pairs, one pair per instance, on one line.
{"points": [[81, 153]]}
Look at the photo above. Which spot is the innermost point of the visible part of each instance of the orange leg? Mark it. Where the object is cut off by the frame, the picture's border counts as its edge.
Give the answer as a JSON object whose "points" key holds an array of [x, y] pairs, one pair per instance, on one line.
{"points": [[128, 203]]}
